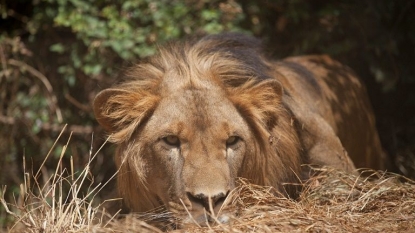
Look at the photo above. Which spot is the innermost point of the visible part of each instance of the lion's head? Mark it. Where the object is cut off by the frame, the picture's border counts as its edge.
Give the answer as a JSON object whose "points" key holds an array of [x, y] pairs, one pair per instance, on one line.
{"points": [[192, 119]]}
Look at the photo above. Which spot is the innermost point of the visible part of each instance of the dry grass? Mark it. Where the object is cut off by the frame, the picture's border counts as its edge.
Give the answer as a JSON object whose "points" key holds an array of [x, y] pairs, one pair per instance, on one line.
{"points": [[58, 202], [331, 201]]}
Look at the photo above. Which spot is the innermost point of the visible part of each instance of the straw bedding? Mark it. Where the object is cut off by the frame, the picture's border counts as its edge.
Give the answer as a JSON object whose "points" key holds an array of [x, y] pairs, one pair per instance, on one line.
{"points": [[331, 201]]}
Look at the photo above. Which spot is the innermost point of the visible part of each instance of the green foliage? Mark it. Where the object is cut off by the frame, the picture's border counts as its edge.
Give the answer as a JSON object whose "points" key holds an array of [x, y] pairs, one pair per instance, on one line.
{"points": [[130, 29]]}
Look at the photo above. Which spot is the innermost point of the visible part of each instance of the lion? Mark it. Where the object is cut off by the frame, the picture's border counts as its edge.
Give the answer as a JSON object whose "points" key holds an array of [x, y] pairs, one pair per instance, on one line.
{"points": [[200, 113]]}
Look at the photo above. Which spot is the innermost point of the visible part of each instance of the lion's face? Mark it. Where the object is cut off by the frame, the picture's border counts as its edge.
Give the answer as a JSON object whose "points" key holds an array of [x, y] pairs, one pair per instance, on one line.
{"points": [[194, 143], [184, 147]]}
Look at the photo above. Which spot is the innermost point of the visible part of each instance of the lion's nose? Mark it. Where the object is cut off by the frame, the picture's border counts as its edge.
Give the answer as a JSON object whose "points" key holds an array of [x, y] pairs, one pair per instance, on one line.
{"points": [[209, 202]]}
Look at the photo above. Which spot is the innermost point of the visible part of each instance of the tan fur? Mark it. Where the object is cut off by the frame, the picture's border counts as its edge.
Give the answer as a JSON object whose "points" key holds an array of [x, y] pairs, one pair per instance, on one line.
{"points": [[204, 92]]}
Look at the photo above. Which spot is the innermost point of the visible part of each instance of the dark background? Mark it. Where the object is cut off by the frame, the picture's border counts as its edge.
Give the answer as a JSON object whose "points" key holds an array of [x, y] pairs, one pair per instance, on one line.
{"points": [[56, 55]]}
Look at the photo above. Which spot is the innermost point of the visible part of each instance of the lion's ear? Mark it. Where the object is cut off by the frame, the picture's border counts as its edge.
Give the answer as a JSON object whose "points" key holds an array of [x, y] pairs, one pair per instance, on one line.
{"points": [[260, 102], [121, 111], [100, 102]]}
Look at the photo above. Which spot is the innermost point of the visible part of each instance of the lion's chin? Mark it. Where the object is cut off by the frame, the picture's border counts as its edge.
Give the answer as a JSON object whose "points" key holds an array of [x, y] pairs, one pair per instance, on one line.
{"points": [[204, 219], [196, 214]]}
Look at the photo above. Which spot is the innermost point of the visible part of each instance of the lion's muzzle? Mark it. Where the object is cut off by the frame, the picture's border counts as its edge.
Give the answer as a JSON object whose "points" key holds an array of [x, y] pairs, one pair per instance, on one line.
{"points": [[207, 201], [205, 208]]}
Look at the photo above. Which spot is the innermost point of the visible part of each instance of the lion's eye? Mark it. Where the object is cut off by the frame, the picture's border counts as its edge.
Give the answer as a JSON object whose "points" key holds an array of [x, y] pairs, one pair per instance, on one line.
{"points": [[172, 140], [232, 140]]}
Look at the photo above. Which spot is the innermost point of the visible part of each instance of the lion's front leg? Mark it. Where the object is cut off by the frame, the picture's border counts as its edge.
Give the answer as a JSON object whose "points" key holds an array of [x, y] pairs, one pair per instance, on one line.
{"points": [[322, 145]]}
